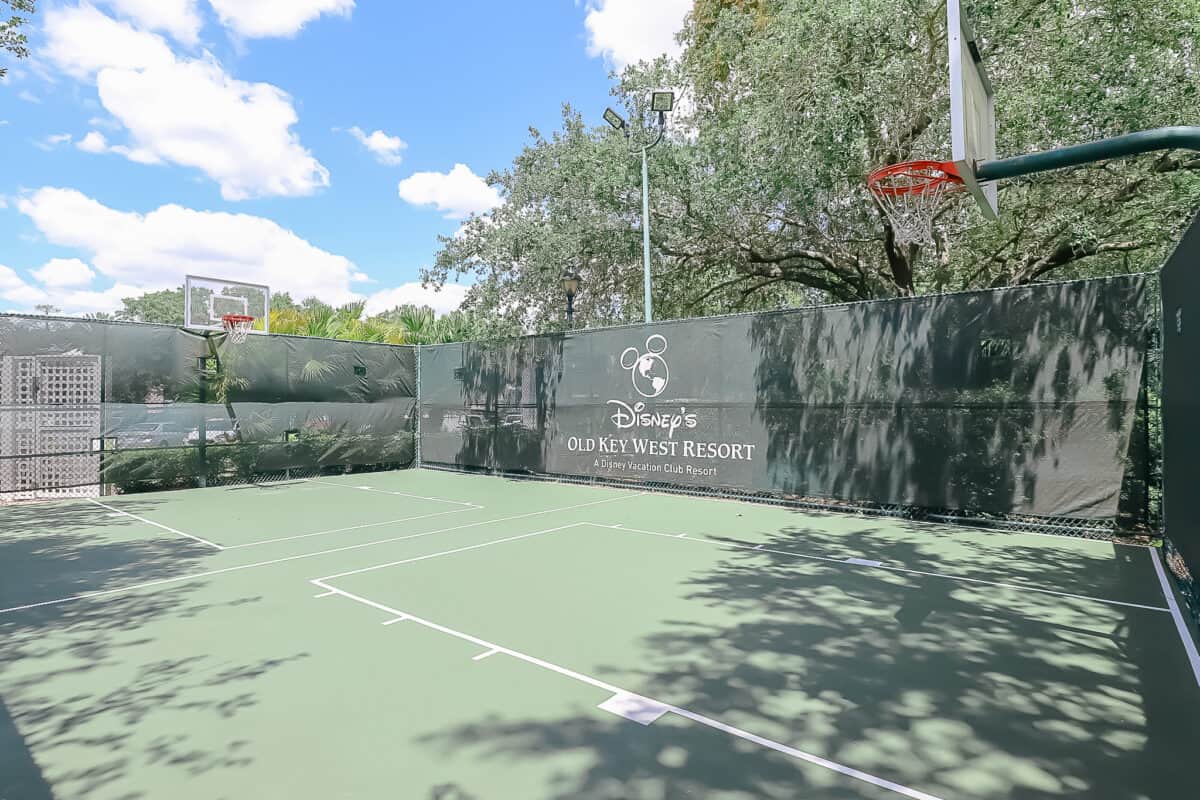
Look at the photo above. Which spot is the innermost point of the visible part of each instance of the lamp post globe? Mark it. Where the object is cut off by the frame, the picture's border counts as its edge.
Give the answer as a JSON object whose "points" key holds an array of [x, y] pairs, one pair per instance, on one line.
{"points": [[570, 284]]}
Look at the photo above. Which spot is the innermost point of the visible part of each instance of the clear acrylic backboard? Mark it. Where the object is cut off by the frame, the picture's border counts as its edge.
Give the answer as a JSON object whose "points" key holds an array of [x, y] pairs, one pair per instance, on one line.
{"points": [[208, 300]]}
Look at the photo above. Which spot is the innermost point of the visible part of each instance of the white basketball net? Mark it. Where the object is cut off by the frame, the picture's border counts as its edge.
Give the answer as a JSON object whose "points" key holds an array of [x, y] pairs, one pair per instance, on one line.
{"points": [[911, 199], [237, 327]]}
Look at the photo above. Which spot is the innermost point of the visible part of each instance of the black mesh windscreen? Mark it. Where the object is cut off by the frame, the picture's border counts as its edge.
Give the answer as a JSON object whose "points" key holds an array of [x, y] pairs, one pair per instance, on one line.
{"points": [[129, 407], [1181, 397], [1017, 401]]}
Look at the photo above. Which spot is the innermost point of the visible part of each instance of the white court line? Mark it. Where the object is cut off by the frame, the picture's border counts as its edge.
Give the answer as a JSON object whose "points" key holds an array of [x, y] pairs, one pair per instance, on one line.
{"points": [[1189, 645], [349, 528], [326, 594], [869, 565], [850, 772], [285, 559], [415, 559], [390, 621], [168, 528], [485, 654], [397, 494]]}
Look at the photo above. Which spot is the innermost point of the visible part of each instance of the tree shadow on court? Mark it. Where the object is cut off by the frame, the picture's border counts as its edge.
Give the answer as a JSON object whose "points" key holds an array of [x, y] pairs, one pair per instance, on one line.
{"points": [[81, 681], [953, 689]]}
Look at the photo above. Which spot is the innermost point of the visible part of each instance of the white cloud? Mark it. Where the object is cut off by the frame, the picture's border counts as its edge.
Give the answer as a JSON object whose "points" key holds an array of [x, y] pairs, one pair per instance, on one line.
{"points": [[262, 18], [628, 31], [457, 193], [185, 111], [53, 141], [448, 299], [387, 149], [60, 272], [82, 41], [179, 18], [29, 97], [89, 302], [94, 142], [155, 250], [105, 122], [15, 290]]}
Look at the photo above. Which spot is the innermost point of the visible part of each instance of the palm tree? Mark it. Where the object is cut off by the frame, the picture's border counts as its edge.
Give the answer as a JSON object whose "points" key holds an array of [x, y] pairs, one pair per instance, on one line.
{"points": [[346, 322]]}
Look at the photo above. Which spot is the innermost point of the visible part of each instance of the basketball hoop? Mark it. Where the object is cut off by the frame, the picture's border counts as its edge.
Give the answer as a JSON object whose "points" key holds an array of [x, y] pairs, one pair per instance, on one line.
{"points": [[237, 326], [911, 193]]}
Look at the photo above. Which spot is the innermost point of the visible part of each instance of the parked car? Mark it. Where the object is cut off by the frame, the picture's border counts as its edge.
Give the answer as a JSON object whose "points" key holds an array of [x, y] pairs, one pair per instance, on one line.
{"points": [[152, 434], [216, 431]]}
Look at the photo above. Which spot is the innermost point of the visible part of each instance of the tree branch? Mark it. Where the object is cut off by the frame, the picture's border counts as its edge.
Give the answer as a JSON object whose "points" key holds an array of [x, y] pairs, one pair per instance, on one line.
{"points": [[1066, 252]]}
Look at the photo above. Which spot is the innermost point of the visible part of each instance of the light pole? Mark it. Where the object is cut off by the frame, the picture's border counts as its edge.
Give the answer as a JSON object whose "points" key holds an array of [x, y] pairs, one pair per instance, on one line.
{"points": [[570, 284], [660, 103]]}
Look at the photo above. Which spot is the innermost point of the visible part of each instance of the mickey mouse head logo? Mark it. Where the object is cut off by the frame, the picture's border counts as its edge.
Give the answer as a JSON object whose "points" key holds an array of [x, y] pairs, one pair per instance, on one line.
{"points": [[648, 370]]}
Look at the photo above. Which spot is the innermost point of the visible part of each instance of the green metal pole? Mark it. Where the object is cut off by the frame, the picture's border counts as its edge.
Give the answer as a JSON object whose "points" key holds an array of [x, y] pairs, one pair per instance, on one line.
{"points": [[1178, 137], [646, 236]]}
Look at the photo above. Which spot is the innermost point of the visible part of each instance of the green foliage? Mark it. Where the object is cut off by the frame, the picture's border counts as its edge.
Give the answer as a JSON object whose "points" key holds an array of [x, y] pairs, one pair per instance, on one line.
{"points": [[422, 326], [402, 325], [165, 307], [758, 196], [11, 38]]}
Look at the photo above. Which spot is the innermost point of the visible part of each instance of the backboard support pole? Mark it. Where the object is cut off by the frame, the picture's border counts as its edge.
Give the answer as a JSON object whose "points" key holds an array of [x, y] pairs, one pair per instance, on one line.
{"points": [[1177, 137]]}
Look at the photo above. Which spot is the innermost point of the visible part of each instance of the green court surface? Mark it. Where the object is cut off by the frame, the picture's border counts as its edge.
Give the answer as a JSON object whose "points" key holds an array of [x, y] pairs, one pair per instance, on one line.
{"points": [[431, 635]]}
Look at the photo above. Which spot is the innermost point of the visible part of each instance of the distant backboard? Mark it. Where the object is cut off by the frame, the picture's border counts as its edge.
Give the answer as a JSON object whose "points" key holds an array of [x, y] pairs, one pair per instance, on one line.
{"points": [[972, 108], [206, 300]]}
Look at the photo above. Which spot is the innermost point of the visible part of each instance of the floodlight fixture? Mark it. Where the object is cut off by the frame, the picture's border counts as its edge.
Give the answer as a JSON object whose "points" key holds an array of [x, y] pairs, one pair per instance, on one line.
{"points": [[614, 119], [662, 101]]}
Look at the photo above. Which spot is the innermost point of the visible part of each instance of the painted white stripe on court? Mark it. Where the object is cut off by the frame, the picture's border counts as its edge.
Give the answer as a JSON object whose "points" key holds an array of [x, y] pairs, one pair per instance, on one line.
{"points": [[390, 621], [167, 528], [484, 655], [634, 708], [834, 766], [862, 562], [349, 528], [301, 556], [326, 594], [1189, 645], [415, 559], [396, 494], [905, 570]]}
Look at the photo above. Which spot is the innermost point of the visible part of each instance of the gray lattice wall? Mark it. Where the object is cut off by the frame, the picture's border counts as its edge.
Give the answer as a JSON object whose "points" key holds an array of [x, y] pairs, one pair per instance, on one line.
{"points": [[49, 408]]}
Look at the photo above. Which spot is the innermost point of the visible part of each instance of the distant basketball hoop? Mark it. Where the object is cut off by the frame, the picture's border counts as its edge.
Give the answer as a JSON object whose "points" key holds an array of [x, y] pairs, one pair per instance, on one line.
{"points": [[237, 326]]}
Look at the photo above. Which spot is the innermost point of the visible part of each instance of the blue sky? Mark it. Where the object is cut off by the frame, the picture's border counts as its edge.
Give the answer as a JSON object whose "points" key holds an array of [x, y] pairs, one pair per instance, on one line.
{"points": [[320, 146]]}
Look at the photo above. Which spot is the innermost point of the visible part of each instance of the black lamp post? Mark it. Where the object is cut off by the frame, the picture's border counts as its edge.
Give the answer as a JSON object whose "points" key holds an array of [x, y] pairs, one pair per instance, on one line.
{"points": [[570, 284]]}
